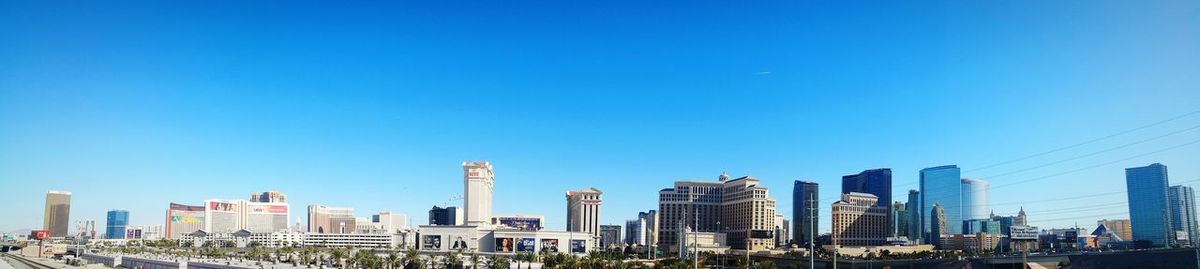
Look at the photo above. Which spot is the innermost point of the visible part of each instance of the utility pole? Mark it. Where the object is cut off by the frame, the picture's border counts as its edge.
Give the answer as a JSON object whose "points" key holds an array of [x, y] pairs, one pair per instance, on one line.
{"points": [[812, 227], [696, 240]]}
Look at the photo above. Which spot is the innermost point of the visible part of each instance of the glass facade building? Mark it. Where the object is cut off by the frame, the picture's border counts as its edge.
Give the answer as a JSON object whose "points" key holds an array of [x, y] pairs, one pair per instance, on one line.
{"points": [[941, 185], [118, 220], [1183, 214], [804, 212], [877, 182], [914, 215], [975, 199], [1147, 190]]}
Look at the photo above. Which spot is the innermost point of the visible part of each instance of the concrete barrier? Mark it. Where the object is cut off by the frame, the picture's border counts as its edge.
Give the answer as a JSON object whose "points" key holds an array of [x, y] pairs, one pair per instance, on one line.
{"points": [[140, 263], [110, 261], [205, 265]]}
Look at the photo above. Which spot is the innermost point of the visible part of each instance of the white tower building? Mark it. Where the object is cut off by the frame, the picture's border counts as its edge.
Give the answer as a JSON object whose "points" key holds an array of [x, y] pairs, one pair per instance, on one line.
{"points": [[477, 192]]}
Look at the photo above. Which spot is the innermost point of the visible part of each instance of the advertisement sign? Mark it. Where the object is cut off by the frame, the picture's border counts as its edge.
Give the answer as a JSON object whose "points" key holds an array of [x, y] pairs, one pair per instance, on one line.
{"points": [[39, 234], [504, 244], [762, 234], [550, 245], [578, 246], [1022, 233], [180, 207], [459, 243], [187, 219], [222, 206], [431, 242], [526, 245], [527, 224], [267, 209]]}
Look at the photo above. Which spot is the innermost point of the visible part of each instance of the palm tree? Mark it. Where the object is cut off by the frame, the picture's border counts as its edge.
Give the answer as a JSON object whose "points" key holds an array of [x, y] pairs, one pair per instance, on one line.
{"points": [[500, 262], [452, 260], [337, 254], [391, 260], [474, 261], [412, 257]]}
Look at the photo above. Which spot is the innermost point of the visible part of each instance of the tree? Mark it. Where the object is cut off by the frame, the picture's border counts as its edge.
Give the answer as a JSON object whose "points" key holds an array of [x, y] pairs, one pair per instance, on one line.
{"points": [[337, 254], [391, 260], [500, 262]]}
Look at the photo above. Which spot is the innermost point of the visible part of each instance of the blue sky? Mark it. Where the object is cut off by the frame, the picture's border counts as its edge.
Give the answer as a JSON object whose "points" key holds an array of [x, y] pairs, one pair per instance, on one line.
{"points": [[374, 105]]}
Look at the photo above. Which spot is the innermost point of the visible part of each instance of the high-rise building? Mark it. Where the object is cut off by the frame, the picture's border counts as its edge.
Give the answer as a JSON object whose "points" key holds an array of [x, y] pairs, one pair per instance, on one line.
{"points": [[222, 216], [1120, 227], [938, 224], [941, 185], [1020, 220], [913, 208], [1148, 207], [974, 199], [635, 232], [583, 211], [85, 229], [804, 212], [268, 197], [118, 220], [610, 236], [858, 220], [478, 182], [877, 182], [390, 222], [649, 221], [782, 231], [740, 208], [265, 217], [1182, 200], [58, 213], [328, 219], [445, 216], [183, 219], [899, 217]]}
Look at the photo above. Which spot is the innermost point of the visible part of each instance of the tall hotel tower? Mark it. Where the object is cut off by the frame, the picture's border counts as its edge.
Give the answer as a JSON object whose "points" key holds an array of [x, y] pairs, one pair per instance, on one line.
{"points": [[477, 192]]}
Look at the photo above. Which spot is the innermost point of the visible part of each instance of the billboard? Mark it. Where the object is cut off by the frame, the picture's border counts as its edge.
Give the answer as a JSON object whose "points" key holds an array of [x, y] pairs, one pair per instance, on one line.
{"points": [[1023, 233], [459, 243], [526, 245], [527, 224], [266, 209], [504, 244], [222, 206], [762, 234], [578, 246], [39, 234], [550, 245], [431, 242], [181, 207]]}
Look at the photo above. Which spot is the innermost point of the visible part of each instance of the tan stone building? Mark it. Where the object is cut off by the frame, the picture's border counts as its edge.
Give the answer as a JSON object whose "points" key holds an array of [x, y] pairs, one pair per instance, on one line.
{"points": [[858, 221], [1120, 227]]}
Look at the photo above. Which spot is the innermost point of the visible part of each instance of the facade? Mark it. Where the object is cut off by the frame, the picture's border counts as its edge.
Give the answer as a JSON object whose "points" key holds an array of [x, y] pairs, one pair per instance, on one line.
{"points": [[520, 222], [1148, 207], [1119, 227], [804, 212], [117, 221], [222, 216], [975, 242], [650, 221], [328, 219], [938, 226], [268, 197], [1182, 200], [583, 211], [445, 216], [743, 208], [1020, 218], [913, 209], [478, 183], [782, 231], [610, 236], [58, 213], [86, 229], [859, 221], [941, 185], [265, 217], [501, 241], [183, 219], [635, 232], [390, 222], [899, 217], [877, 182], [975, 199], [988, 226]]}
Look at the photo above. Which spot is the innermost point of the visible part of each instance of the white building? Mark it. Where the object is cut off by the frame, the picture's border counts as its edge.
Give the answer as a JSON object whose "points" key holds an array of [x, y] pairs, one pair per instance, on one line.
{"points": [[478, 182], [390, 222], [222, 216], [583, 211], [227, 216]]}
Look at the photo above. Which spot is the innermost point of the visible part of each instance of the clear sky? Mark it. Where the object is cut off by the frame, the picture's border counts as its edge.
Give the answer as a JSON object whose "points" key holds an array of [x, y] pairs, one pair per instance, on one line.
{"points": [[374, 105]]}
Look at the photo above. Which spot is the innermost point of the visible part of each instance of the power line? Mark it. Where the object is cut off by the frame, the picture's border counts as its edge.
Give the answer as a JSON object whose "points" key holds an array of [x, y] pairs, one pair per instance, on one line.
{"points": [[1086, 142], [1093, 153]]}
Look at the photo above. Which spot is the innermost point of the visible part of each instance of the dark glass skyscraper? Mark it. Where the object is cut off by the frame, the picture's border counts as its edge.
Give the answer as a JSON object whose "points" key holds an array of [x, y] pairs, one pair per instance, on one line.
{"points": [[874, 181], [804, 212], [941, 185], [118, 220], [1148, 212], [1183, 213], [914, 215]]}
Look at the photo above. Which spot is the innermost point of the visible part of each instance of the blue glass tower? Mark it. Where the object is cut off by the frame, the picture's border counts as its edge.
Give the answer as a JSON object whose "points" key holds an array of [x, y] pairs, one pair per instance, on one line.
{"points": [[914, 215], [1183, 213], [941, 185], [874, 181], [1147, 190], [117, 221], [804, 212]]}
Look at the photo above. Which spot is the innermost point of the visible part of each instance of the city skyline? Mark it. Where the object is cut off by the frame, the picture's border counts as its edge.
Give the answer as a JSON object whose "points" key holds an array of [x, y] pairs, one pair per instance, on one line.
{"points": [[378, 113]]}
